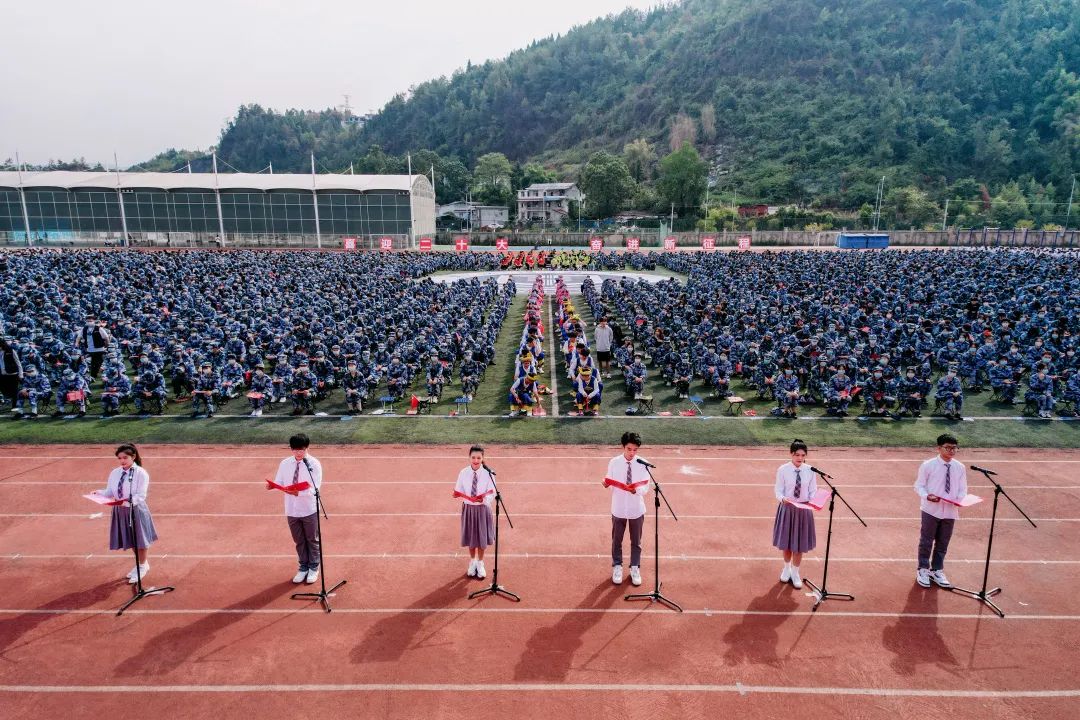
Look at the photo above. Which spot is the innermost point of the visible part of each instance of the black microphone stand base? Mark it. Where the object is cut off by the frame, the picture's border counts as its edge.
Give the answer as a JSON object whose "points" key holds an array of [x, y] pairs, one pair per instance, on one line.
{"points": [[494, 589], [656, 596], [140, 593], [821, 594], [982, 596], [322, 596]]}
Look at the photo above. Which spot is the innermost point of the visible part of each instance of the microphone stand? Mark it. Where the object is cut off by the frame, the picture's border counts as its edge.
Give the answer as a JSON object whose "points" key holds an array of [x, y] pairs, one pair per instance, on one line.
{"points": [[983, 595], [495, 588], [324, 594], [821, 593], [656, 595], [140, 591]]}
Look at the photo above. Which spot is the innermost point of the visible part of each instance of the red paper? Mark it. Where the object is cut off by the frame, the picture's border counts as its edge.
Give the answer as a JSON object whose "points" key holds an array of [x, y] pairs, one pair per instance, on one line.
{"points": [[102, 499], [472, 498], [820, 500], [289, 488], [608, 482], [967, 501]]}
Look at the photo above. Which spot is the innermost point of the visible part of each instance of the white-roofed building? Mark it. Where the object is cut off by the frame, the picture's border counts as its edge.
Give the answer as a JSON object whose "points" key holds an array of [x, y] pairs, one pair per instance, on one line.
{"points": [[547, 202], [238, 208]]}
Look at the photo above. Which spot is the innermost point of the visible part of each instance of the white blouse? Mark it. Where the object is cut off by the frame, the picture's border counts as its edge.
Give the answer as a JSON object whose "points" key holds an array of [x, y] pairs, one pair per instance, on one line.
{"points": [[785, 482], [483, 484], [135, 484]]}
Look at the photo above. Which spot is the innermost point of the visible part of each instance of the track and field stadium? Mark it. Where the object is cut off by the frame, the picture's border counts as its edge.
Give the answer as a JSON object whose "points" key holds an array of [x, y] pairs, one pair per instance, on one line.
{"points": [[395, 363]]}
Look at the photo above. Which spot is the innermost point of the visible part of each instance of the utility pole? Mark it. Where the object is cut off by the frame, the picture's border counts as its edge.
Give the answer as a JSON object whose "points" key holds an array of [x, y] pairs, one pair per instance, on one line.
{"points": [[945, 219], [877, 211], [1068, 213]]}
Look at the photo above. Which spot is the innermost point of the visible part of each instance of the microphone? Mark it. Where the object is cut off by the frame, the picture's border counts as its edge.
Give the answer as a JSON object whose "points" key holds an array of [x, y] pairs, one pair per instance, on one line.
{"points": [[484, 465], [983, 470], [646, 464], [821, 473], [310, 474]]}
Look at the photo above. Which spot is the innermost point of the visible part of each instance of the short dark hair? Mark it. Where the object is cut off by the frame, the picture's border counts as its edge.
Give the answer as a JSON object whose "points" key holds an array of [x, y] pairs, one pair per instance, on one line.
{"points": [[476, 448], [299, 441], [797, 445], [630, 437], [947, 439]]}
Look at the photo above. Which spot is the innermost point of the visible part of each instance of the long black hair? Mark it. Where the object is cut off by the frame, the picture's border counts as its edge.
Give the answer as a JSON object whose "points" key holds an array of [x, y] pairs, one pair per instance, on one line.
{"points": [[130, 449]]}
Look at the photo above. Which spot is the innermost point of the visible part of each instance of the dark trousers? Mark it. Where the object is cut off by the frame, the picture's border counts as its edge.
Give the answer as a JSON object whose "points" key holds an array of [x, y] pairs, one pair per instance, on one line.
{"points": [[306, 536], [934, 536], [618, 529], [96, 358], [9, 386]]}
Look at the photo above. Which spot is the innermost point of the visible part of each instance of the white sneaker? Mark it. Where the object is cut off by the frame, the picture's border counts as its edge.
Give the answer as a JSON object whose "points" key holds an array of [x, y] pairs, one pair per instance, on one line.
{"points": [[938, 576], [134, 577], [616, 574], [785, 574], [635, 575], [472, 568], [131, 573], [796, 581], [299, 577], [481, 573], [923, 577], [312, 576]]}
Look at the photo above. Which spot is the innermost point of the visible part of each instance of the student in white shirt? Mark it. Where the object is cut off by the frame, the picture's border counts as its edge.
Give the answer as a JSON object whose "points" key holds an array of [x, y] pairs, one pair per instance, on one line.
{"points": [[627, 506], [128, 485], [477, 492], [793, 529], [300, 506], [939, 477]]}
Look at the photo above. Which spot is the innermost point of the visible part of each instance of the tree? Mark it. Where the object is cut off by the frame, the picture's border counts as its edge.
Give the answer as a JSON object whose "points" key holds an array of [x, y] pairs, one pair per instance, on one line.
{"points": [[640, 158], [682, 180], [1009, 206], [683, 131], [607, 184], [708, 122], [910, 207], [492, 170], [452, 180], [534, 172]]}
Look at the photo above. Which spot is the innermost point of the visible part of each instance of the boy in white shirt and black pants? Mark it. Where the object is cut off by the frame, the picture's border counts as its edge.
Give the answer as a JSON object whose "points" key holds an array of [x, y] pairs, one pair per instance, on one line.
{"points": [[629, 483], [300, 507], [939, 477]]}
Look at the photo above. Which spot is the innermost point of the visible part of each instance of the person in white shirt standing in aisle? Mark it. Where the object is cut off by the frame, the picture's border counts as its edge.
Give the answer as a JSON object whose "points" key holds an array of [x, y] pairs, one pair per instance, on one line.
{"points": [[629, 483], [939, 477], [300, 507], [793, 529], [603, 335]]}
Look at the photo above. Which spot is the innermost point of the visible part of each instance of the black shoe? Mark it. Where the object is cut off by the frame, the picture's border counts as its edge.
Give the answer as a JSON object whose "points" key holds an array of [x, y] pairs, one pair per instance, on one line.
{"points": [[309, 412], [209, 415], [57, 414], [194, 414], [81, 413]]}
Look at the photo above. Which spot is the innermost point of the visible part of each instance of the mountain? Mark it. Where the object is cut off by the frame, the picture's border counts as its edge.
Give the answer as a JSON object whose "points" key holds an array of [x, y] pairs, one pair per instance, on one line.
{"points": [[789, 100]]}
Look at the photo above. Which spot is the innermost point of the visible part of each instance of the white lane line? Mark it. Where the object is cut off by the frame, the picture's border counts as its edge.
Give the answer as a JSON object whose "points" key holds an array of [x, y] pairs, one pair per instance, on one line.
{"points": [[521, 556], [546, 688], [552, 361], [818, 455], [690, 612], [544, 483], [517, 514]]}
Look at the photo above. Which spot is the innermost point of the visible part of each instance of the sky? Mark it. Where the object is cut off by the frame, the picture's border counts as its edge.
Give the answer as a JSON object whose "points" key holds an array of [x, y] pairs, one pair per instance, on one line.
{"points": [[87, 79]]}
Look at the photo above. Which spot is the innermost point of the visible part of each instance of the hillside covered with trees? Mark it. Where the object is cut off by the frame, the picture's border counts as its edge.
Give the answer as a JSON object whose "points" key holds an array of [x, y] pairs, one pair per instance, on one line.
{"points": [[801, 102]]}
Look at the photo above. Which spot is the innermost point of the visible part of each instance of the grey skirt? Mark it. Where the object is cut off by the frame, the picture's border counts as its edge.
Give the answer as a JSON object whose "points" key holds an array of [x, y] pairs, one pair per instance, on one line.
{"points": [[794, 529], [120, 537], [477, 526]]}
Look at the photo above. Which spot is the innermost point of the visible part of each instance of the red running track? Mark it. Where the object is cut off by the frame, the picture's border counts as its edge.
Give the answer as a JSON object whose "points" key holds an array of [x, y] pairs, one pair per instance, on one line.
{"points": [[403, 641]]}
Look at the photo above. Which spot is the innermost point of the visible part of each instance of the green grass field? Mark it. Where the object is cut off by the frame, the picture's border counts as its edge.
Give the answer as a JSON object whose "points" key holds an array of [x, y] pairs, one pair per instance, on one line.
{"points": [[486, 422]]}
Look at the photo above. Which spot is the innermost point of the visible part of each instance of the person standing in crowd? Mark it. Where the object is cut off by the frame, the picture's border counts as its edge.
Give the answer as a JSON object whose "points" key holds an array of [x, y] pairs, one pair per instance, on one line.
{"points": [[940, 478], [11, 371], [93, 339], [603, 336]]}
